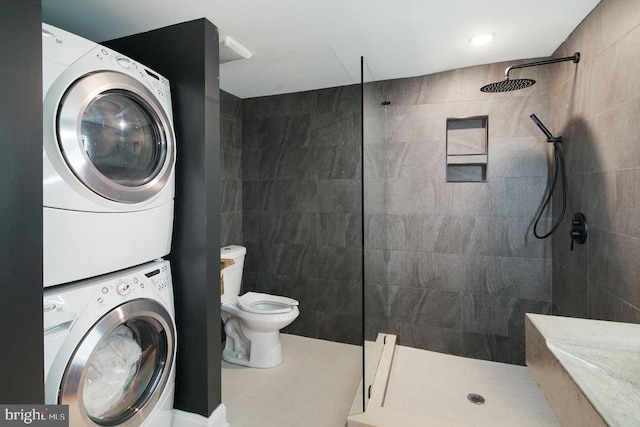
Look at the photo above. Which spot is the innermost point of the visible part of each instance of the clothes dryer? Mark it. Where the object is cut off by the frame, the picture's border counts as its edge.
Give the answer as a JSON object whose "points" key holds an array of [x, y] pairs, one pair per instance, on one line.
{"points": [[110, 346], [108, 160]]}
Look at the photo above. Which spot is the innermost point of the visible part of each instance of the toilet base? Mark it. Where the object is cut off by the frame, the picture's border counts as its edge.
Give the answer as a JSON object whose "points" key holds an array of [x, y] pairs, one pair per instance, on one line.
{"points": [[263, 350]]}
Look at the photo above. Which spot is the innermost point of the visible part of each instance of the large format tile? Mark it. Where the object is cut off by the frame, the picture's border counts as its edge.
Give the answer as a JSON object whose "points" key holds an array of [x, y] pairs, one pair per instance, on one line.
{"points": [[614, 147], [288, 163], [339, 229], [495, 348], [425, 307], [343, 98], [613, 199], [251, 195], [606, 306], [430, 270], [415, 123], [343, 328], [314, 385], [339, 162], [335, 129], [339, 296], [279, 105], [518, 157], [283, 131], [513, 237], [288, 259], [613, 265], [517, 197], [231, 163], [498, 315], [288, 227], [570, 293], [339, 263], [428, 89], [527, 278], [339, 195], [288, 196], [230, 228], [230, 105], [231, 196]]}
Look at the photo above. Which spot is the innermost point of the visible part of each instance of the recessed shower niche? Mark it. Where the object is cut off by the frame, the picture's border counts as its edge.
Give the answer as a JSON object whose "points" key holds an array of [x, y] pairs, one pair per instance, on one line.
{"points": [[467, 149]]}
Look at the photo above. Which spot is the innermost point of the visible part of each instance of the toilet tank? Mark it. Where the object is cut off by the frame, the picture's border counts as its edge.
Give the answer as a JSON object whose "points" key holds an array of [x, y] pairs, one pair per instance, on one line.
{"points": [[232, 275]]}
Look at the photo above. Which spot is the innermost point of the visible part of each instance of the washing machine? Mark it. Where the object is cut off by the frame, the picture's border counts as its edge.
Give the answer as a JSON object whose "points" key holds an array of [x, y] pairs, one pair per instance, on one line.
{"points": [[109, 157], [110, 347]]}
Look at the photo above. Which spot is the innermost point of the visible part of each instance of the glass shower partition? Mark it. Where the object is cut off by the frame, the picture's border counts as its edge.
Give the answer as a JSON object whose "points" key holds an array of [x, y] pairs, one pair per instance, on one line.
{"points": [[374, 166]]}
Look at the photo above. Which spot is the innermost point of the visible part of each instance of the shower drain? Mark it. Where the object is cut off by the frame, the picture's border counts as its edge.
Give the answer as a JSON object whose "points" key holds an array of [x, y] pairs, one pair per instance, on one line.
{"points": [[475, 399]]}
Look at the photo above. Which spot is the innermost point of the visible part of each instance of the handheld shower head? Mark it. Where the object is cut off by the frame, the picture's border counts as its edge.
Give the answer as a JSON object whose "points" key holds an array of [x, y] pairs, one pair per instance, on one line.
{"points": [[558, 171], [508, 85], [543, 128]]}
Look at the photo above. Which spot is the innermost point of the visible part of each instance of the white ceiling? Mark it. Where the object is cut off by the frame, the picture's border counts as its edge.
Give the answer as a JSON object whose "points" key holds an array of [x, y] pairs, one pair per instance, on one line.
{"points": [[310, 44]]}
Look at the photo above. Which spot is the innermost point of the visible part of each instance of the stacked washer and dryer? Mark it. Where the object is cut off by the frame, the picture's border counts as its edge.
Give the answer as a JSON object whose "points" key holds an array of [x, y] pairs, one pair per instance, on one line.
{"points": [[108, 189]]}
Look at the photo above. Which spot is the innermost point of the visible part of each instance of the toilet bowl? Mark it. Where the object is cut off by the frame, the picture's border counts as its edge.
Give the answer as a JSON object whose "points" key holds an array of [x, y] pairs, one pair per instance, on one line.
{"points": [[252, 321]]}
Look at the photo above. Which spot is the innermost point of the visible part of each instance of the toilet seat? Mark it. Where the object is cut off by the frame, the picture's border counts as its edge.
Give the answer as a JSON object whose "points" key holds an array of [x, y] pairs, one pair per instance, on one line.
{"points": [[255, 302]]}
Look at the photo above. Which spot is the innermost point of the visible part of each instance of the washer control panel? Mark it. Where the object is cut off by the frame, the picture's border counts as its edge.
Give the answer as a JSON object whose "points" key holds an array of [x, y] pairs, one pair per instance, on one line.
{"points": [[62, 307], [154, 278]]}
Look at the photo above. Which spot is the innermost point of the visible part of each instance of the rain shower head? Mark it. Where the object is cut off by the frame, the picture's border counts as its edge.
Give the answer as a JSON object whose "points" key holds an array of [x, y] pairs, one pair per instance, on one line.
{"points": [[508, 84]]}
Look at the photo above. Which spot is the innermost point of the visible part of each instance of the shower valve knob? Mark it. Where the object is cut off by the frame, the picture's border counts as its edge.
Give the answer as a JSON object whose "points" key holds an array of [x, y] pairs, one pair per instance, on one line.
{"points": [[578, 231]]}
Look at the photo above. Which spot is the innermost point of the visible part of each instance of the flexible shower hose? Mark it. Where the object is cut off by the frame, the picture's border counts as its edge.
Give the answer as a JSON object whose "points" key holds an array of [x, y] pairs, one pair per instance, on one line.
{"points": [[558, 170]]}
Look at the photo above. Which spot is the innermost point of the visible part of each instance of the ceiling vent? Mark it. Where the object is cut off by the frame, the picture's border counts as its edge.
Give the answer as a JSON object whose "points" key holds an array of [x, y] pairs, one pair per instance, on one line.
{"points": [[232, 50]]}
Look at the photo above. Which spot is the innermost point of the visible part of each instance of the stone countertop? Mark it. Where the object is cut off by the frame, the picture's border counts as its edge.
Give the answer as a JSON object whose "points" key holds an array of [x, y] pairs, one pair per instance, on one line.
{"points": [[589, 370]]}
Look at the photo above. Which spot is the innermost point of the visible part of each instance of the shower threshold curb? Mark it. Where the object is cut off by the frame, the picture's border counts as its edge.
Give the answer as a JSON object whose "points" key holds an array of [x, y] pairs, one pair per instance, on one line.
{"points": [[376, 415]]}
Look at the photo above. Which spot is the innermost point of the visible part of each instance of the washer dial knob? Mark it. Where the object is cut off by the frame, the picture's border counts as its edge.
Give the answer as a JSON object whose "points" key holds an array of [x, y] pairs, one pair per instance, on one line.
{"points": [[123, 288]]}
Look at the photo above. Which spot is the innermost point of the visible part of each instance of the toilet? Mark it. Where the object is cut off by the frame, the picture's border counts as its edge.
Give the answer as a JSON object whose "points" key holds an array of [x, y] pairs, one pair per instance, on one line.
{"points": [[252, 321]]}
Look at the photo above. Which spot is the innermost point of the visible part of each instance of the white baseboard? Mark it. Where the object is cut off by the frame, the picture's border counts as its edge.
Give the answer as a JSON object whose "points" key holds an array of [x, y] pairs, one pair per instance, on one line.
{"points": [[218, 418]]}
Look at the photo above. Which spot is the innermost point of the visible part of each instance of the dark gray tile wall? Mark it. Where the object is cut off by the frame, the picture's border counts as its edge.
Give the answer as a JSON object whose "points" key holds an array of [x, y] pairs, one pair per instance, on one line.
{"points": [[595, 108], [232, 165], [453, 267], [301, 210]]}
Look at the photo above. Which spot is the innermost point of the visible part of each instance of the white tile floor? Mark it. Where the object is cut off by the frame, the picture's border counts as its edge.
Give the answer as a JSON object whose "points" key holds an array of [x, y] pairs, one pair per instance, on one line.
{"points": [[313, 387], [436, 386]]}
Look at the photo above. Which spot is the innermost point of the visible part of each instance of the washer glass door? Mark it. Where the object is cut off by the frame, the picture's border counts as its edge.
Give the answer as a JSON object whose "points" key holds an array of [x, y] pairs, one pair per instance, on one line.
{"points": [[121, 367], [116, 137]]}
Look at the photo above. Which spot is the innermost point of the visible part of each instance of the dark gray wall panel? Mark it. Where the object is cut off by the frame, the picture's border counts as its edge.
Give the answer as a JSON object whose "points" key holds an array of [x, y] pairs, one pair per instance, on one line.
{"points": [[596, 112], [21, 207], [192, 69]]}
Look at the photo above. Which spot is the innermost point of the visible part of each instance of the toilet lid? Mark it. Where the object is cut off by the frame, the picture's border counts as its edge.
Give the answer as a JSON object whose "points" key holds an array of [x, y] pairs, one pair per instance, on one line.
{"points": [[255, 302]]}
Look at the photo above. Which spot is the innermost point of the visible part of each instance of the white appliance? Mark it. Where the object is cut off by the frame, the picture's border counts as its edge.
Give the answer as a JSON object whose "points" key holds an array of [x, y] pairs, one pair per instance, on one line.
{"points": [[110, 346], [108, 160], [252, 321]]}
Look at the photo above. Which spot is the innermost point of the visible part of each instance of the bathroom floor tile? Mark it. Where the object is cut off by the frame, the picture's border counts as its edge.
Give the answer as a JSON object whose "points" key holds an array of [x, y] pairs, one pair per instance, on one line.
{"points": [[313, 387]]}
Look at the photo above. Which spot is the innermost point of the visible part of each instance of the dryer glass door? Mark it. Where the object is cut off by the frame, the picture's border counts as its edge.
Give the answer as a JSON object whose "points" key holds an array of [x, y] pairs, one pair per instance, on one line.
{"points": [[116, 137], [122, 138], [121, 367]]}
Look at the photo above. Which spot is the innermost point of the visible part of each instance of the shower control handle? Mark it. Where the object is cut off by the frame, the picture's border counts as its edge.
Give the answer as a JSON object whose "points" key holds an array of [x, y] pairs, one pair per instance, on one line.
{"points": [[578, 231]]}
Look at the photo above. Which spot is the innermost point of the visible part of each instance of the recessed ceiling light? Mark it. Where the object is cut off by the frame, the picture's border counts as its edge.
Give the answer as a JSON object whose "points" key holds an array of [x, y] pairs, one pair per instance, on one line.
{"points": [[483, 38]]}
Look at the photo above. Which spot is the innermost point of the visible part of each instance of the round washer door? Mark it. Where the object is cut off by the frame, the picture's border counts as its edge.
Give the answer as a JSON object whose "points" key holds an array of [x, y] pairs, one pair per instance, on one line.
{"points": [[116, 137], [121, 367]]}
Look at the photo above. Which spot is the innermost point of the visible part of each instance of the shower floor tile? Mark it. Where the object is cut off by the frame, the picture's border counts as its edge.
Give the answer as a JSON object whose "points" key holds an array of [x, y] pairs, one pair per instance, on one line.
{"points": [[435, 386], [313, 387]]}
